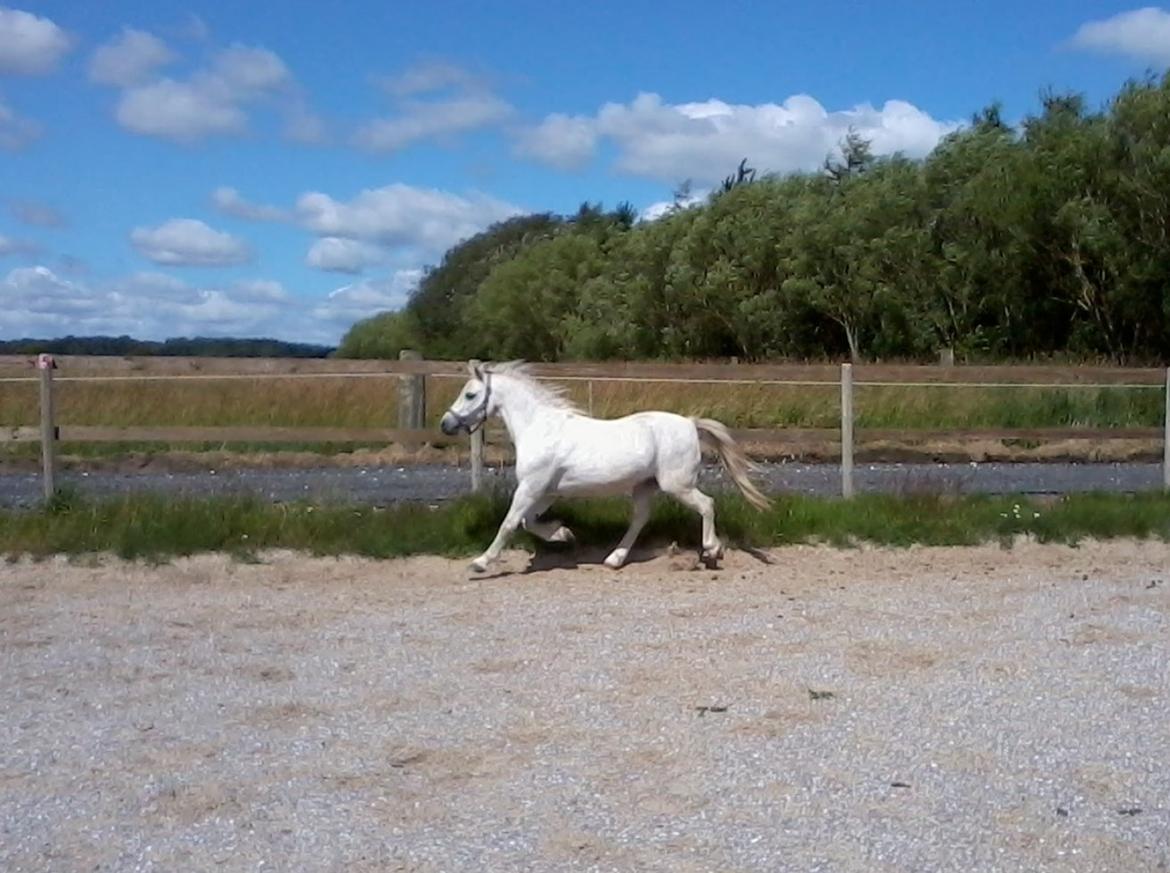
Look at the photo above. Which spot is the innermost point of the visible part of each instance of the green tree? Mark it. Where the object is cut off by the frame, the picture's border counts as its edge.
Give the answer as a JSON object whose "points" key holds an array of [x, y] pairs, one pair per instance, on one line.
{"points": [[847, 239], [437, 304], [381, 336], [856, 158], [972, 296]]}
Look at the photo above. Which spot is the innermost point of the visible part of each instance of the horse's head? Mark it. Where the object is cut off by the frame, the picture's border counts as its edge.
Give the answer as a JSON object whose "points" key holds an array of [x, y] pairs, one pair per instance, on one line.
{"points": [[473, 406]]}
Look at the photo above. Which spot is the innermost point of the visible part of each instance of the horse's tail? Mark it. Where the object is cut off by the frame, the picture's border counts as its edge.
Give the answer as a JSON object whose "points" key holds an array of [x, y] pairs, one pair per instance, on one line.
{"points": [[716, 435]]}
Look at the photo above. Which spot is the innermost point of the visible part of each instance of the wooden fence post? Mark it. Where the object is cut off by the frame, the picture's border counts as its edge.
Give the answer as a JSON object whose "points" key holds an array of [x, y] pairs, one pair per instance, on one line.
{"points": [[412, 395], [477, 441], [45, 365], [477, 461], [846, 430], [1166, 438]]}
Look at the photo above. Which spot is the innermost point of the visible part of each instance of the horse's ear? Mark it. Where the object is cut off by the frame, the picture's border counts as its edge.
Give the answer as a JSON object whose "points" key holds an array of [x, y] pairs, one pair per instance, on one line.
{"points": [[475, 368]]}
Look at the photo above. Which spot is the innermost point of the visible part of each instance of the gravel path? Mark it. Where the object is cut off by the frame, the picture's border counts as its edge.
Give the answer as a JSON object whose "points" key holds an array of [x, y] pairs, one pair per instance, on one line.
{"points": [[380, 485], [854, 711]]}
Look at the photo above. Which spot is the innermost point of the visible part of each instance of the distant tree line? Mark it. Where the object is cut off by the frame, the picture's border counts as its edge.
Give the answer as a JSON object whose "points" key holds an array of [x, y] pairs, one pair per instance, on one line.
{"points": [[1049, 239], [188, 347]]}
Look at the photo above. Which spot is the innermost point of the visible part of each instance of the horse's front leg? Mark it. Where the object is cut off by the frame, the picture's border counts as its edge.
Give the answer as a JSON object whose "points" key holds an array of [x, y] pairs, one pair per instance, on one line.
{"points": [[523, 500]]}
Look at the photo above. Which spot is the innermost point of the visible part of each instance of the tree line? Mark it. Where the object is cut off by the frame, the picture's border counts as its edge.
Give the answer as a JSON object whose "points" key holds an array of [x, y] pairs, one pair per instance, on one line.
{"points": [[1046, 239]]}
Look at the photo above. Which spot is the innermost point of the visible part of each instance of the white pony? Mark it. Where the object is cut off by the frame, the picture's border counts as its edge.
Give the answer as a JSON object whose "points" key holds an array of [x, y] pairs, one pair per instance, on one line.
{"points": [[560, 451]]}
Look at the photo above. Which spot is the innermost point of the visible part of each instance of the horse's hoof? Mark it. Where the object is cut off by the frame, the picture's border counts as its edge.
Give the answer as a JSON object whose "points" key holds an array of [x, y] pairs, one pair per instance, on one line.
{"points": [[562, 535], [710, 557], [478, 566], [615, 560]]}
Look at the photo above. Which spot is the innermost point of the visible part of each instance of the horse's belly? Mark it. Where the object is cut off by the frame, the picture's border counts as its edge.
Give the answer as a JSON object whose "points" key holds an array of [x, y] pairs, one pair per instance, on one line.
{"points": [[590, 488], [606, 472]]}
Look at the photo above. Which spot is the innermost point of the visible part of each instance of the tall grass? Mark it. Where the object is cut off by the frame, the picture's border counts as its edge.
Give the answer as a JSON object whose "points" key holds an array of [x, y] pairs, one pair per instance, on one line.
{"points": [[145, 526], [373, 402]]}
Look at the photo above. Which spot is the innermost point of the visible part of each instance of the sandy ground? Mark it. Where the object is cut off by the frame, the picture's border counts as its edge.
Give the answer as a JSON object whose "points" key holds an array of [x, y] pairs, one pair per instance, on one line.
{"points": [[800, 709]]}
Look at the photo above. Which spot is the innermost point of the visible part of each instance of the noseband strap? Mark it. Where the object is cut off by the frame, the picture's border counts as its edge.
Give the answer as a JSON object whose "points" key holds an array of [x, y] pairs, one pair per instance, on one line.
{"points": [[487, 396]]}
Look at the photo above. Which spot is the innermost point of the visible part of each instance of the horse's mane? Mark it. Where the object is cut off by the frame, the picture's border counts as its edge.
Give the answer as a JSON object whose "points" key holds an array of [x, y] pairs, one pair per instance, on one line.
{"points": [[521, 371]]}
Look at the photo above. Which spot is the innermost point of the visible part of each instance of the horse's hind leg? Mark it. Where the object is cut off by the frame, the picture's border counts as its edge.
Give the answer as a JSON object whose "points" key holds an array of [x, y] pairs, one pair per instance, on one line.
{"points": [[643, 498], [550, 531], [705, 506]]}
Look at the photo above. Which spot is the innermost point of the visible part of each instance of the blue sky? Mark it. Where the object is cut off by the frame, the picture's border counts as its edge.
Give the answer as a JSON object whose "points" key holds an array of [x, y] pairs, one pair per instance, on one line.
{"points": [[283, 169]]}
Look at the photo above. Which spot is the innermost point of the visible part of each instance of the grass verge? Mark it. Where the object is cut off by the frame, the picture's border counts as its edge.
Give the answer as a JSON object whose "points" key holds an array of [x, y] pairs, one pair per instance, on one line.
{"points": [[157, 528]]}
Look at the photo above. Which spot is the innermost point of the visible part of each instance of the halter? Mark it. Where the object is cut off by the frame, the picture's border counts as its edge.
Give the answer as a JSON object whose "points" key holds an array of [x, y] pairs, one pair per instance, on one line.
{"points": [[487, 396]]}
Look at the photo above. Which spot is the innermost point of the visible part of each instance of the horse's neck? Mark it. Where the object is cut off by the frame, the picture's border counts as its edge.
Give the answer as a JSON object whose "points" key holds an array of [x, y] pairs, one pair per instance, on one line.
{"points": [[519, 407]]}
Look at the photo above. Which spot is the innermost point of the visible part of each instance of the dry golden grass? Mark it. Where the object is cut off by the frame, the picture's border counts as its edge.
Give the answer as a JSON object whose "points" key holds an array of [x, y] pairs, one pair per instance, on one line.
{"points": [[373, 402], [818, 406]]}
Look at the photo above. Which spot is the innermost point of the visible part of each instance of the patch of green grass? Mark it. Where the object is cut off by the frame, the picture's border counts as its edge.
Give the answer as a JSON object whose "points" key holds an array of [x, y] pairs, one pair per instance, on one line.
{"points": [[149, 526], [153, 527]]}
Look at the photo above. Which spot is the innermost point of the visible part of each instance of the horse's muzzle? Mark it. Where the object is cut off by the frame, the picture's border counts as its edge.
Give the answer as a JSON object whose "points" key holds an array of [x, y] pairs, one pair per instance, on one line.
{"points": [[449, 424]]}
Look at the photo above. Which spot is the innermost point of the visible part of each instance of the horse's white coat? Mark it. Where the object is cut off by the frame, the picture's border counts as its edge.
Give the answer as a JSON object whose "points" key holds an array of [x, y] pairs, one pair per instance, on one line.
{"points": [[560, 451]]}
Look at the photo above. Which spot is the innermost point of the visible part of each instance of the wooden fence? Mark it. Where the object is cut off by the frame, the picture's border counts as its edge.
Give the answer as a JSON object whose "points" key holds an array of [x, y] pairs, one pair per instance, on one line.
{"points": [[411, 374]]}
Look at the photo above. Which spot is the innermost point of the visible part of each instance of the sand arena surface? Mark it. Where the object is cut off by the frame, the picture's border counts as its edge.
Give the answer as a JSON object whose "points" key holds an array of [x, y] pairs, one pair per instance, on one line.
{"points": [[802, 709]]}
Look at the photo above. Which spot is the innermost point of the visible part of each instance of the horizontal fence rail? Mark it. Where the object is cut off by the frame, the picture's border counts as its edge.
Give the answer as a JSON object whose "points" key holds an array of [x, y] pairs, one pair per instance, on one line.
{"points": [[80, 433], [410, 374]]}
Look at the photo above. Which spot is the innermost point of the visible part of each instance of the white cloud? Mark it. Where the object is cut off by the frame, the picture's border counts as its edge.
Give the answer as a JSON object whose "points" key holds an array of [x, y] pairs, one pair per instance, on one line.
{"points": [[428, 76], [350, 303], [31, 293], [37, 302], [400, 215], [705, 141], [164, 289], [129, 59], [179, 111], [189, 242], [362, 232], [467, 104], [30, 45], [245, 72], [229, 202], [433, 120], [1143, 34], [338, 255], [561, 141], [260, 291], [155, 286], [16, 131], [213, 101]]}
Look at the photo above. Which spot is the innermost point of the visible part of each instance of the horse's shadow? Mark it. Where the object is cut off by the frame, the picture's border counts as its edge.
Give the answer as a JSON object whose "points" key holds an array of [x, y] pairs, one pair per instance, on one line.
{"points": [[571, 558], [576, 557], [584, 557]]}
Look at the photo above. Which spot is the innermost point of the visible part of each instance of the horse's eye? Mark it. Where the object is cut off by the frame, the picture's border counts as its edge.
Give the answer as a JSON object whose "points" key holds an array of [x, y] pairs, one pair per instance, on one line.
{"points": [[470, 395]]}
